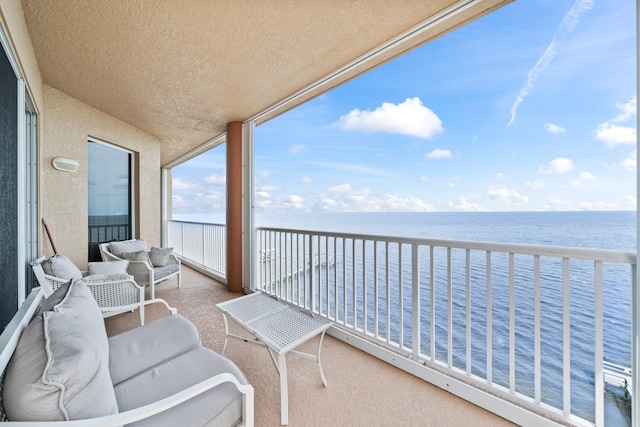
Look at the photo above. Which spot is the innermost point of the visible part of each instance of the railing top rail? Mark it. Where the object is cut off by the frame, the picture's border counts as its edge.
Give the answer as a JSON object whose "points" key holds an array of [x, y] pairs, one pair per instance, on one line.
{"points": [[604, 255], [196, 222]]}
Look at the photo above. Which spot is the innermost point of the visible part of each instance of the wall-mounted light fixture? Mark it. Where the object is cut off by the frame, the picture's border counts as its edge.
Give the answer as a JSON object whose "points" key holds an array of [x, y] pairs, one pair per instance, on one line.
{"points": [[66, 165]]}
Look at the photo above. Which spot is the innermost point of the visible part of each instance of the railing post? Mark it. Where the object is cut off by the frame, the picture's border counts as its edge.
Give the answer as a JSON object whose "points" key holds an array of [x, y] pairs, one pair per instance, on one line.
{"points": [[635, 346], [415, 295]]}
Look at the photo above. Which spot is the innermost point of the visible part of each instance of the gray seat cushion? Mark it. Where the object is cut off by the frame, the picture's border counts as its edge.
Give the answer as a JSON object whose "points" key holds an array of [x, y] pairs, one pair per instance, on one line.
{"points": [[160, 272], [140, 349], [221, 405]]}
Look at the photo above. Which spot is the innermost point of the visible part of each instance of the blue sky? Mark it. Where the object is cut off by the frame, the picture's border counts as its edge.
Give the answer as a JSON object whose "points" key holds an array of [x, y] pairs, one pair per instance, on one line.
{"points": [[530, 108]]}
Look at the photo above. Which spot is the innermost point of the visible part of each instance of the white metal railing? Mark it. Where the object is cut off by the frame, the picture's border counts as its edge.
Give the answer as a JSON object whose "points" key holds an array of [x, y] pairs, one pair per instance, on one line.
{"points": [[199, 244], [523, 322]]}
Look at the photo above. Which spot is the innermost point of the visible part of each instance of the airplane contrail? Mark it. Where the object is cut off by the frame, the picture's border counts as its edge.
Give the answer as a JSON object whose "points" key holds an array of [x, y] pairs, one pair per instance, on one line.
{"points": [[568, 24]]}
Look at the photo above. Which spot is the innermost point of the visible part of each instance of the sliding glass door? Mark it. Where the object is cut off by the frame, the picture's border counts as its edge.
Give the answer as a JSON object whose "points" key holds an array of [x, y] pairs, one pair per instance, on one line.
{"points": [[110, 195]]}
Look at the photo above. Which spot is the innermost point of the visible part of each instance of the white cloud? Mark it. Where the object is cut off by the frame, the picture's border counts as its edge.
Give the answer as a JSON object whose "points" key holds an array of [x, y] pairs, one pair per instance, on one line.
{"points": [[424, 179], [584, 177], [613, 134], [294, 201], [343, 198], [179, 184], [216, 179], [597, 206], [267, 188], [342, 188], [568, 24], [408, 118], [464, 205], [628, 110], [500, 175], [510, 197], [296, 148], [555, 203], [631, 162], [554, 129], [439, 154], [559, 165], [351, 168], [305, 180], [630, 201], [587, 176], [537, 184]]}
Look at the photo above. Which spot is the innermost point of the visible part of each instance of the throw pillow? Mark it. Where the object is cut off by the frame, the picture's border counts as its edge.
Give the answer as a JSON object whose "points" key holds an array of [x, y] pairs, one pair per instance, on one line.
{"points": [[56, 367], [137, 256], [124, 246], [160, 256], [61, 267], [76, 300], [109, 267]]}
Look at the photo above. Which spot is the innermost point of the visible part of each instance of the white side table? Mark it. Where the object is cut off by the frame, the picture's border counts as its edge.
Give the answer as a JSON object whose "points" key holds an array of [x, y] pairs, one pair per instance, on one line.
{"points": [[278, 326]]}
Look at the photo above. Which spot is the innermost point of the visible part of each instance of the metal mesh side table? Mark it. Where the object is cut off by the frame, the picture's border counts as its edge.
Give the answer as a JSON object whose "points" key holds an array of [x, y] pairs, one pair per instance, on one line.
{"points": [[279, 327]]}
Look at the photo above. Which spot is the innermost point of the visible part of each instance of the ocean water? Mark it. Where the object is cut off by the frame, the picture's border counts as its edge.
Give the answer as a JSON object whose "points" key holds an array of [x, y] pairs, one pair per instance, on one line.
{"points": [[601, 230]]}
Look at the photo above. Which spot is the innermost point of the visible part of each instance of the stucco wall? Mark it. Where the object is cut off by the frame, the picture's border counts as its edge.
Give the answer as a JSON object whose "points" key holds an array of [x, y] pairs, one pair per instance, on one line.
{"points": [[13, 21], [67, 125]]}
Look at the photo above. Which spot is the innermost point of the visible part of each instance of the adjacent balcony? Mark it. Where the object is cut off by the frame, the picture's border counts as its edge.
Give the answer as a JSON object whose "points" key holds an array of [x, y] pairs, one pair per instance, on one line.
{"points": [[505, 326]]}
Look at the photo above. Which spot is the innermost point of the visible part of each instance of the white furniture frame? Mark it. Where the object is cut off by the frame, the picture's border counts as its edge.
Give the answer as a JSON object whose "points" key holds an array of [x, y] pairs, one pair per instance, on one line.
{"points": [[9, 340], [115, 294], [278, 326], [143, 272]]}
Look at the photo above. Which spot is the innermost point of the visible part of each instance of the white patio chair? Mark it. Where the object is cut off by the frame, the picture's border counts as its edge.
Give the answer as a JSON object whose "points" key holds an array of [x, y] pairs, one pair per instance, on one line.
{"points": [[145, 271], [114, 293]]}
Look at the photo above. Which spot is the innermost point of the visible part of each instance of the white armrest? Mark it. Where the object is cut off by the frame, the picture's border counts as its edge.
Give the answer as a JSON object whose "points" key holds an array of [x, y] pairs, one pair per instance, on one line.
{"points": [[161, 405]]}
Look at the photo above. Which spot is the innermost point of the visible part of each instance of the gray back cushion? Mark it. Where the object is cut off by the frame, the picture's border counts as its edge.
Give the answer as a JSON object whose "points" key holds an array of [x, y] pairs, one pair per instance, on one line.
{"points": [[79, 303], [124, 246], [57, 373]]}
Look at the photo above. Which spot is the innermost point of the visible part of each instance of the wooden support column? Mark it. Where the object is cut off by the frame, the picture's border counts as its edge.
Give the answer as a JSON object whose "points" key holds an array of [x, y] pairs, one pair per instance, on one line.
{"points": [[234, 207]]}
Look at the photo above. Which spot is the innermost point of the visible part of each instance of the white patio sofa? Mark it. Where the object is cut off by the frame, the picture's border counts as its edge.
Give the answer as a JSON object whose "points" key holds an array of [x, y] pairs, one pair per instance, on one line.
{"points": [[148, 267], [60, 366]]}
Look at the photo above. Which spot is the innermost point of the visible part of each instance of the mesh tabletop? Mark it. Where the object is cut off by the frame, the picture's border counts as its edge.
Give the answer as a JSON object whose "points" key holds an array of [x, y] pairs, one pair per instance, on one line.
{"points": [[250, 307], [288, 328]]}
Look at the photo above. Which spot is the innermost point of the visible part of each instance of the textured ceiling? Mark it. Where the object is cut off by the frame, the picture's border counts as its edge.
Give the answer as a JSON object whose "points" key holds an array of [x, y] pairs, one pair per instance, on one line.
{"points": [[182, 69]]}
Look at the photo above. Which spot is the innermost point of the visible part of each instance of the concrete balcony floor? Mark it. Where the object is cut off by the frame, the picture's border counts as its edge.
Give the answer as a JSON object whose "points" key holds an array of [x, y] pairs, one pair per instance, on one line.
{"points": [[362, 390]]}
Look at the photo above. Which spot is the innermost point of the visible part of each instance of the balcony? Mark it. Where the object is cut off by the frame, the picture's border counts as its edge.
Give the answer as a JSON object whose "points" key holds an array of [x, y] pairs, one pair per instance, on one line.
{"points": [[361, 390], [502, 325]]}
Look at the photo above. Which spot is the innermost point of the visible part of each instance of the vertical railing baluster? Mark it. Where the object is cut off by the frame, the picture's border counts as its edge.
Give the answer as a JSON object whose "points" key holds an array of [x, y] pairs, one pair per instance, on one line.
{"points": [[449, 309], [353, 282], [537, 331], [375, 289], [598, 347], [432, 298], [328, 276], [344, 281], [320, 276], [335, 278], [468, 310], [312, 274], [415, 295], [364, 286], [512, 324], [388, 291], [566, 339], [400, 297], [489, 321]]}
